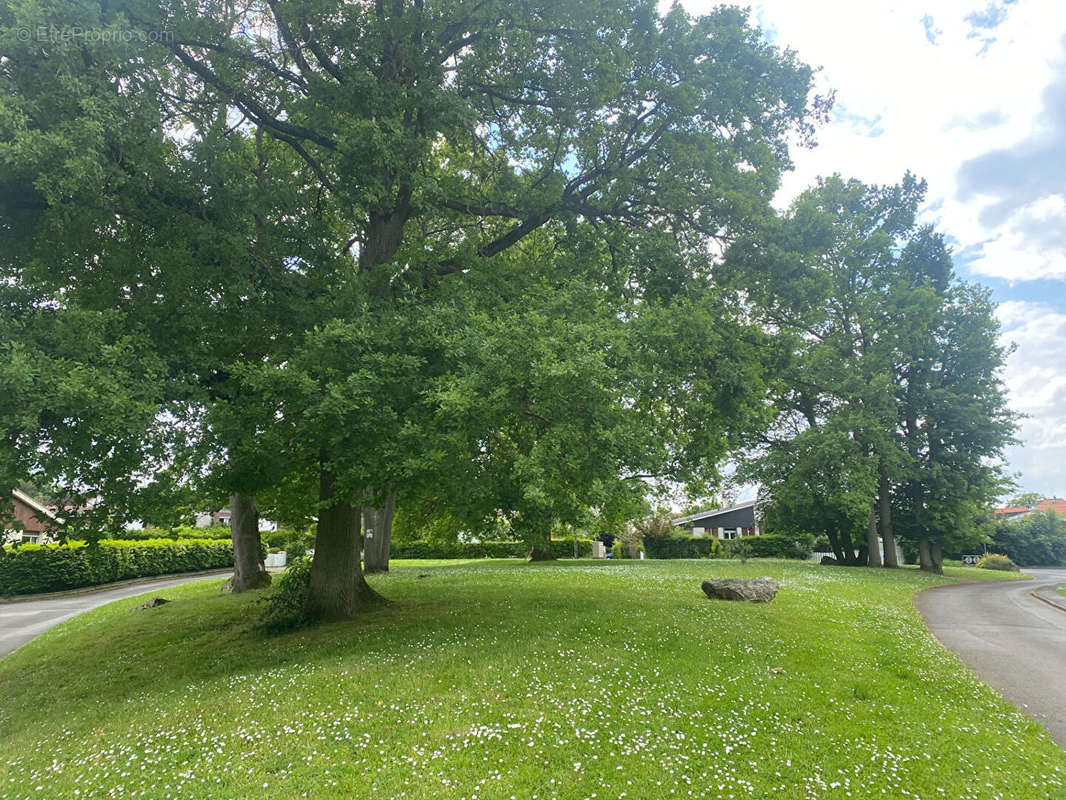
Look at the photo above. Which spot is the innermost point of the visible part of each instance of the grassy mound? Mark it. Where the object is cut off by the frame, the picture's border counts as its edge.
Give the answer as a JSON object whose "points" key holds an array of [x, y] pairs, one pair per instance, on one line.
{"points": [[501, 679]]}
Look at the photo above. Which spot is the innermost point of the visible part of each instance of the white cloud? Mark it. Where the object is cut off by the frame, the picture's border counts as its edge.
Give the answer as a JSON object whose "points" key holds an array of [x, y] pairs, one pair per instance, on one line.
{"points": [[979, 88], [1037, 384]]}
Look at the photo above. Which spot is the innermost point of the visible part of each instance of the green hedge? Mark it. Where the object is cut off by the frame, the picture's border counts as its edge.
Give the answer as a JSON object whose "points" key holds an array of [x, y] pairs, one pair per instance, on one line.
{"points": [[50, 568], [769, 545], [562, 548], [682, 546], [215, 532], [780, 545]]}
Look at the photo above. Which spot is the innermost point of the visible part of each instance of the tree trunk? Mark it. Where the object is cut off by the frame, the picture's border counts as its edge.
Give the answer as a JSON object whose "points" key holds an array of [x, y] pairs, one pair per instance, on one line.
{"points": [[925, 561], [248, 570], [377, 540], [338, 589], [936, 557], [873, 546], [838, 547], [887, 535]]}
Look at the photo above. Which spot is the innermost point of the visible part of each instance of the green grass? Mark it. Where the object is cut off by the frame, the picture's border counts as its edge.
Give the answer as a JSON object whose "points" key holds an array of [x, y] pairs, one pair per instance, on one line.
{"points": [[501, 679], [1062, 590]]}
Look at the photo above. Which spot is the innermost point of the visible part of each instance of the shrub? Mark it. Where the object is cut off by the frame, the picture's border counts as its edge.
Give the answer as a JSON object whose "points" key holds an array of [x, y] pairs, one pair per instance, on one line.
{"points": [[286, 605], [996, 561], [682, 546], [52, 568], [295, 548], [739, 549], [781, 545]]}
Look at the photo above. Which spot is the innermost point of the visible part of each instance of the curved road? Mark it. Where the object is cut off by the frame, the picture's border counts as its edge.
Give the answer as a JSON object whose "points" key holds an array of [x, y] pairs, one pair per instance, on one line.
{"points": [[1012, 640], [23, 620]]}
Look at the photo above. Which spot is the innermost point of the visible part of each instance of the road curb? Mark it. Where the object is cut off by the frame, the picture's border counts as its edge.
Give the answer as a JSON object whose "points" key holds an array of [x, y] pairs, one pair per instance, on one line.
{"points": [[1048, 601]]}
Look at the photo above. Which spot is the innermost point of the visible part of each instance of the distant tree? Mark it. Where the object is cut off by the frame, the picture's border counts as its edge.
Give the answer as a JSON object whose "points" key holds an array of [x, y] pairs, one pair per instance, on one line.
{"points": [[1025, 499], [1035, 540], [891, 408]]}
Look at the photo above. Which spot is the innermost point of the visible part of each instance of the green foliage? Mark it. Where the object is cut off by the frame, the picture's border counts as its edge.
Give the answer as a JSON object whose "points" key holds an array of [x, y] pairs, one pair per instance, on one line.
{"points": [[295, 548], [780, 545], [996, 561], [283, 536], [49, 568], [214, 532], [561, 548], [286, 604], [738, 548], [1025, 499], [682, 546], [1035, 540]]}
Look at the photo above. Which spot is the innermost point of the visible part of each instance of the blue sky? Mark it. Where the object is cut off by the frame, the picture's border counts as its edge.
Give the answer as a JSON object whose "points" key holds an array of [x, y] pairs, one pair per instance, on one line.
{"points": [[971, 96]]}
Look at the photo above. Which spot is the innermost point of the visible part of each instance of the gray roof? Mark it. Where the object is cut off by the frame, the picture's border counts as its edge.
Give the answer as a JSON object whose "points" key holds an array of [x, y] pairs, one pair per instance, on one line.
{"points": [[713, 512]]}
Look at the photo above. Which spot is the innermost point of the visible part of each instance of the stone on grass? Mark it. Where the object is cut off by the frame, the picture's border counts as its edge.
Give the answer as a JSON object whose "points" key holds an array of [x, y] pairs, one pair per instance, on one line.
{"points": [[155, 601], [757, 590]]}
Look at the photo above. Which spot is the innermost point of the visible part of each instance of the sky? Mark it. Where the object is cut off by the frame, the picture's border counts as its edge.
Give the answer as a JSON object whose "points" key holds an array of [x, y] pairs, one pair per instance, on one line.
{"points": [[971, 96]]}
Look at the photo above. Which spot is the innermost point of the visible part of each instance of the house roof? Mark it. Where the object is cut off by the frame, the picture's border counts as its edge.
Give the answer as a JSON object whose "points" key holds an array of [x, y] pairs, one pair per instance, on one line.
{"points": [[1055, 504], [713, 512], [1052, 504], [999, 512], [24, 498]]}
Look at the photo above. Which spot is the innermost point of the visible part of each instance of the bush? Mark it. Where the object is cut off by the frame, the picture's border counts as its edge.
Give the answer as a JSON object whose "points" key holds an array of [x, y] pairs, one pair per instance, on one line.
{"points": [[781, 545], [738, 548], [295, 548], [286, 605], [52, 568], [996, 561], [682, 546]]}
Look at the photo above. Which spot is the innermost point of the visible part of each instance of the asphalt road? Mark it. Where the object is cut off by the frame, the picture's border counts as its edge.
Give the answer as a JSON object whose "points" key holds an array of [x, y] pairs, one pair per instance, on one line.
{"points": [[1013, 641], [23, 620]]}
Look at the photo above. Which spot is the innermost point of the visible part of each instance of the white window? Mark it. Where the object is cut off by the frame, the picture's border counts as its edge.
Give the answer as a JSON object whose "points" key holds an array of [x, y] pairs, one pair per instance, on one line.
{"points": [[729, 533]]}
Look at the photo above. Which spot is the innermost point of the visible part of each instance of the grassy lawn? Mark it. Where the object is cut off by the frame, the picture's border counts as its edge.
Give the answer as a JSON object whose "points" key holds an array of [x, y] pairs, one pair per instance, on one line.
{"points": [[501, 679], [1062, 590]]}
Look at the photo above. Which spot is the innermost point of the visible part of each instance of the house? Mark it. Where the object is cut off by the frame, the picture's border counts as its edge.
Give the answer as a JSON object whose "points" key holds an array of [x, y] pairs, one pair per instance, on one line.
{"points": [[1044, 506], [222, 517], [733, 522], [30, 520]]}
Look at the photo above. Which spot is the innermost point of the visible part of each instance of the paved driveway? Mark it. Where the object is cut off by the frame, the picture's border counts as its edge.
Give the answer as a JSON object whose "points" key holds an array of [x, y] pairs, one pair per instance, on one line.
{"points": [[1013, 641], [23, 620]]}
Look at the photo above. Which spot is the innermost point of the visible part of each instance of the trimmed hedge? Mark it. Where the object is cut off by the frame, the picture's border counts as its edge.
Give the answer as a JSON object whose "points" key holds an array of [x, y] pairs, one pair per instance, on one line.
{"points": [[780, 545], [769, 545], [214, 533], [562, 548], [681, 546], [51, 568]]}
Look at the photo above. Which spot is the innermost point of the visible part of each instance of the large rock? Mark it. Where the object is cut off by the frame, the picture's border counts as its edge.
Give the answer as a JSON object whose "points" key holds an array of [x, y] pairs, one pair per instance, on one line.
{"points": [[757, 590]]}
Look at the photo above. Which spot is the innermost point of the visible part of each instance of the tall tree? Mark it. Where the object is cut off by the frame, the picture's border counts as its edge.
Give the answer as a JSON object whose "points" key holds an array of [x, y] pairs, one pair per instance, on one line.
{"points": [[428, 139]]}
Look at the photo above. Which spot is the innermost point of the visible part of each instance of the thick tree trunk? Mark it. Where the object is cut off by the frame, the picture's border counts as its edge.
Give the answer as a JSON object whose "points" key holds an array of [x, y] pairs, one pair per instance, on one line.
{"points": [[377, 539], [541, 551], [936, 557], [338, 589], [248, 570], [837, 546], [924, 558], [873, 546], [888, 537]]}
